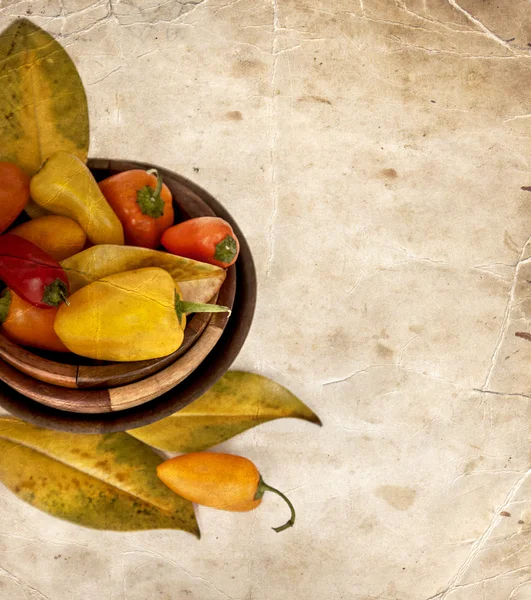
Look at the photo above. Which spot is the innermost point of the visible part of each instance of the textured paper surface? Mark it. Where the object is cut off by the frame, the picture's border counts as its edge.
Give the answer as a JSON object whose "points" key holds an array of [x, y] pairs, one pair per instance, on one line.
{"points": [[375, 154]]}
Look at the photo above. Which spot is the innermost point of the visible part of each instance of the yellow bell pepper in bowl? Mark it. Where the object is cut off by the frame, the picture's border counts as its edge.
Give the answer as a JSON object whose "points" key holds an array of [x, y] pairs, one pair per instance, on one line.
{"points": [[135, 315]]}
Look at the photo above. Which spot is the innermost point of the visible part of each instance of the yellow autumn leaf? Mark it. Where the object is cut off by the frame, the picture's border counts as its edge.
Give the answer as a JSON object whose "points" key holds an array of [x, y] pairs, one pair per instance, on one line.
{"points": [[201, 290], [237, 402], [198, 281], [99, 481], [43, 106]]}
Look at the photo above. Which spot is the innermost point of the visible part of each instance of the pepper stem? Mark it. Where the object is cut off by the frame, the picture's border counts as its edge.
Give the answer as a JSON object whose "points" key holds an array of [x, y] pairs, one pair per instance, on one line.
{"points": [[65, 299], [262, 488], [183, 308], [149, 200], [5, 303], [226, 250], [158, 188], [55, 293]]}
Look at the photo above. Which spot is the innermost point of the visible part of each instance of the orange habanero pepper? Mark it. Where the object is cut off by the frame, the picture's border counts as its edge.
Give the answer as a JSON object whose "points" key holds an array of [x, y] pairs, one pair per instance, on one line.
{"points": [[28, 325], [222, 481], [142, 203]]}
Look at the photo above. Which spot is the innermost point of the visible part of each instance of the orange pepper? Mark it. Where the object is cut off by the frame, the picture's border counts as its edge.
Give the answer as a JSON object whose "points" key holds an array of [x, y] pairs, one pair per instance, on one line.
{"points": [[206, 239], [14, 193], [59, 236], [28, 325], [222, 481], [142, 203]]}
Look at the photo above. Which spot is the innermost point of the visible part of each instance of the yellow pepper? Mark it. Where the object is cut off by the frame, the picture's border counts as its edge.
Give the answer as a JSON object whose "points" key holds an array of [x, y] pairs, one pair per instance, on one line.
{"points": [[65, 186], [136, 315], [198, 281]]}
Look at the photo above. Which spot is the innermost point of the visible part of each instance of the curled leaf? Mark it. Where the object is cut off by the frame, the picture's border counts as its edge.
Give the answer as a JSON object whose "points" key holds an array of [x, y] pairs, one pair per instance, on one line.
{"points": [[99, 481], [202, 290], [43, 106], [198, 281], [237, 402]]}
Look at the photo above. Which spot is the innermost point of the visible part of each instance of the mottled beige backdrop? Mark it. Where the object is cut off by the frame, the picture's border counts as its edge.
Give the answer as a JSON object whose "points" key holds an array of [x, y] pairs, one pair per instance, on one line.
{"points": [[375, 154]]}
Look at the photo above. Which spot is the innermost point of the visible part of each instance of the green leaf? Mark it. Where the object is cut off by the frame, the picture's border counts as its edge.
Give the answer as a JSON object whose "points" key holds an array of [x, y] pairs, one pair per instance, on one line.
{"points": [[237, 402], [43, 106], [99, 481]]}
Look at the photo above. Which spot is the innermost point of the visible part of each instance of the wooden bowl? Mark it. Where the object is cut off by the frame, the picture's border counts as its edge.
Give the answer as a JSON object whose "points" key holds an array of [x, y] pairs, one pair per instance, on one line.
{"points": [[72, 371], [158, 394]]}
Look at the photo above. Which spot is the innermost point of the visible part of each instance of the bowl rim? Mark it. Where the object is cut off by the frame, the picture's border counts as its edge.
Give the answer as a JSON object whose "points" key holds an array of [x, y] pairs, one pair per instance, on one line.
{"points": [[202, 378]]}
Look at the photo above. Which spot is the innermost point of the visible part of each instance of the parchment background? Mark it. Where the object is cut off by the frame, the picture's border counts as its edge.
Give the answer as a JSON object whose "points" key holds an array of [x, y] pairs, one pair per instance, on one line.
{"points": [[374, 154]]}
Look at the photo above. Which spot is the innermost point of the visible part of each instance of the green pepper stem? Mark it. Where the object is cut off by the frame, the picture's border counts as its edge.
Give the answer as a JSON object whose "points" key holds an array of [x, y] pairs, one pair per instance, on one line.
{"points": [[55, 293], [5, 303], [65, 299], [190, 307], [149, 200], [159, 181], [264, 487], [183, 308], [226, 250]]}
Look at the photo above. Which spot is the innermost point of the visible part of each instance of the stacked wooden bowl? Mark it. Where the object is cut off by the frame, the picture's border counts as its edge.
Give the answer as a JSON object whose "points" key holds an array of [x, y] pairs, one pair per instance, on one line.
{"points": [[70, 393]]}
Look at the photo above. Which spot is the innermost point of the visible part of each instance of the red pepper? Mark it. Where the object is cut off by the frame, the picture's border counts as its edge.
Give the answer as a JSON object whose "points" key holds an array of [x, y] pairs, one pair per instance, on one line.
{"points": [[32, 273]]}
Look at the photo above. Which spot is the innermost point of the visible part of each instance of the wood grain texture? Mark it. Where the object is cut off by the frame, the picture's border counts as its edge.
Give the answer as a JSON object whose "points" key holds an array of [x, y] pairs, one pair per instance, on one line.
{"points": [[93, 401], [45, 370]]}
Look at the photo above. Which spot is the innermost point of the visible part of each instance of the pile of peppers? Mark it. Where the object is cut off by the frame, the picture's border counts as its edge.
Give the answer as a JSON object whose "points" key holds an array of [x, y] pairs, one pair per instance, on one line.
{"points": [[114, 296]]}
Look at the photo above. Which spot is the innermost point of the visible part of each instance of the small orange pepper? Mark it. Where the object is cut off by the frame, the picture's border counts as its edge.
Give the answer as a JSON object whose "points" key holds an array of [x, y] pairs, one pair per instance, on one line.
{"points": [[59, 236], [142, 203], [222, 481], [206, 239], [28, 325]]}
